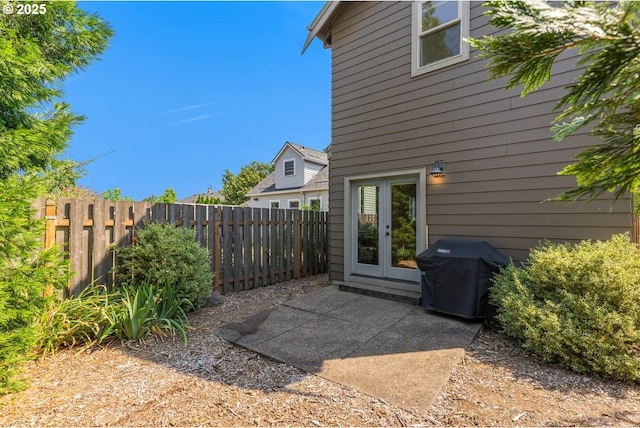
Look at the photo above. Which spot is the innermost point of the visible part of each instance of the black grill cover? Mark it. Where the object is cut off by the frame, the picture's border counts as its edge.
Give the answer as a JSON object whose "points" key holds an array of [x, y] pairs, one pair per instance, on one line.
{"points": [[456, 276]]}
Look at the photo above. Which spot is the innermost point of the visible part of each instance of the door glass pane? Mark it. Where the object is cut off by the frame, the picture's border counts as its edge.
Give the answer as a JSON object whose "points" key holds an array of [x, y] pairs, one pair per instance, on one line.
{"points": [[403, 225], [368, 213]]}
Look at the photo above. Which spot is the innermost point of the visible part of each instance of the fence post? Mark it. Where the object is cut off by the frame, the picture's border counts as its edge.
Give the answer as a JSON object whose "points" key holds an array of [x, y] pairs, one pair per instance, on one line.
{"points": [[50, 224], [49, 236], [298, 244]]}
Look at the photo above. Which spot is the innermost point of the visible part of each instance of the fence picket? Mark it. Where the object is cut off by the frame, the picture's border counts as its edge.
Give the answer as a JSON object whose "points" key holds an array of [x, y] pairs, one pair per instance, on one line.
{"points": [[264, 245], [99, 250], [227, 243], [237, 250], [76, 245], [273, 245], [173, 214], [187, 216], [200, 225], [246, 230]]}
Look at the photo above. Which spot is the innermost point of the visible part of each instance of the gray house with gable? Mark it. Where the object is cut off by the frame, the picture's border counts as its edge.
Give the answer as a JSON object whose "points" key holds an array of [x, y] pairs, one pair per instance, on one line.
{"points": [[300, 179]]}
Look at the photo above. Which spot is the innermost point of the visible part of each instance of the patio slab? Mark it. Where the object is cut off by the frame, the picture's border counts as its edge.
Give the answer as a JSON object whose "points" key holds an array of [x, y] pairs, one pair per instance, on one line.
{"points": [[395, 351]]}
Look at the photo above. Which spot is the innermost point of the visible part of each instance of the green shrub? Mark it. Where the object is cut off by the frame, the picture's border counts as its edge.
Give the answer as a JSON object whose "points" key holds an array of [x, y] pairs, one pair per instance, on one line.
{"points": [[167, 255], [29, 276], [576, 305]]}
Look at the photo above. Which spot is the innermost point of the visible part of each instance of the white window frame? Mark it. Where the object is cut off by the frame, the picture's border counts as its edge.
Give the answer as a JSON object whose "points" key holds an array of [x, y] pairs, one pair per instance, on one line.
{"points": [[416, 33], [284, 168], [315, 198], [293, 200], [274, 201]]}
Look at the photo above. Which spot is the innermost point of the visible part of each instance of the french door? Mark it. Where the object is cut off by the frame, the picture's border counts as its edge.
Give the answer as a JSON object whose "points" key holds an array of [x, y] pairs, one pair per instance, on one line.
{"points": [[384, 233]]}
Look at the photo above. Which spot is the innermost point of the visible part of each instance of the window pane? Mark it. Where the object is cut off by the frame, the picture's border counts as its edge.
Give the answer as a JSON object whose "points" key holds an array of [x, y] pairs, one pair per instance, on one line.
{"points": [[435, 13], [294, 204], [440, 45], [316, 204], [275, 204], [403, 225], [288, 168], [368, 207]]}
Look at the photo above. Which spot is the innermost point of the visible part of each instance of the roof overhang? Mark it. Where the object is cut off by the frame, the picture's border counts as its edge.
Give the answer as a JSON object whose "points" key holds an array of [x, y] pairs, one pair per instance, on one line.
{"points": [[293, 191], [320, 26]]}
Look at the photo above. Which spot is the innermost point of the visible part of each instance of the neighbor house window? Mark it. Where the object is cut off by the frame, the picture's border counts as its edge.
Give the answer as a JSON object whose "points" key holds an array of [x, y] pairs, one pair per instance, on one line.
{"points": [[294, 203], [275, 204], [289, 168], [315, 204], [438, 32]]}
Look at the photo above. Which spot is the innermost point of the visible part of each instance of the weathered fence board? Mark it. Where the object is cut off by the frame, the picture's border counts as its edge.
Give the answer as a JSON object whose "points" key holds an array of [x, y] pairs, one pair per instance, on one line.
{"points": [[248, 247]]}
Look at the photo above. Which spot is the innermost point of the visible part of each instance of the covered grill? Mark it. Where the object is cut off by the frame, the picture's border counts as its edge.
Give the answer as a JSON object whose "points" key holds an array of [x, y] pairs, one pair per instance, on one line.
{"points": [[456, 276]]}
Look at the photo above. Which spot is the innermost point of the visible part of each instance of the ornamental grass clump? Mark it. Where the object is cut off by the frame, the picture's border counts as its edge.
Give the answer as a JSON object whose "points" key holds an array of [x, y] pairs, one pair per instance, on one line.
{"points": [[78, 320], [148, 309], [100, 315], [576, 305], [167, 255]]}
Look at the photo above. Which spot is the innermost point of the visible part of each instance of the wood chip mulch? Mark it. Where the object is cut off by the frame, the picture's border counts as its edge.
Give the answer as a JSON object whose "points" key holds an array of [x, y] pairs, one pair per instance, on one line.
{"points": [[210, 382]]}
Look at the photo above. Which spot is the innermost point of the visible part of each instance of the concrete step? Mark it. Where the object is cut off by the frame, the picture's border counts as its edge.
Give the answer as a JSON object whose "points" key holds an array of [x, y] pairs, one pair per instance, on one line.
{"points": [[394, 294]]}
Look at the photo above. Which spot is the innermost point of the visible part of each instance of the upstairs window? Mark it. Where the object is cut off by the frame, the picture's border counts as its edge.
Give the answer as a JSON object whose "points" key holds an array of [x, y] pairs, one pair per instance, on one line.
{"points": [[438, 32], [289, 168]]}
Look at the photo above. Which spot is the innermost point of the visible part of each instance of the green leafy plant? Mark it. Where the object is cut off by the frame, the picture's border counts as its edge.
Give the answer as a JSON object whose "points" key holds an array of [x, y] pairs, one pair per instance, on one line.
{"points": [[167, 255], [80, 320], [37, 53], [29, 277], [147, 309], [576, 305], [208, 200], [169, 312], [114, 195], [134, 317], [603, 99], [98, 315], [235, 187], [168, 197]]}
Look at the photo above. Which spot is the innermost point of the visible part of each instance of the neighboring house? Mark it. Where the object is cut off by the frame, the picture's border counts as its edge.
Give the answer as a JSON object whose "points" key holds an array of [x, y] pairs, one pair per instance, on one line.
{"points": [[194, 198], [300, 179], [407, 91]]}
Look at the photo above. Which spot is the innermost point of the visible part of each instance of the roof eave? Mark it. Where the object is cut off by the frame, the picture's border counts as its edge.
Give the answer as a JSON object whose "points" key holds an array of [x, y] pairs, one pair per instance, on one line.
{"points": [[315, 28]]}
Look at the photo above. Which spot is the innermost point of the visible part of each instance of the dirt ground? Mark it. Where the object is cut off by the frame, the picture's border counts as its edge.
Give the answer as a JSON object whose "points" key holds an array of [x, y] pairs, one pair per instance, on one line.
{"points": [[212, 383]]}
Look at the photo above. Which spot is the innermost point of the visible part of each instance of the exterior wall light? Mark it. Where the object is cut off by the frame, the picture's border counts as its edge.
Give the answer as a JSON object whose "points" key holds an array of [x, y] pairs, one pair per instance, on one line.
{"points": [[437, 170]]}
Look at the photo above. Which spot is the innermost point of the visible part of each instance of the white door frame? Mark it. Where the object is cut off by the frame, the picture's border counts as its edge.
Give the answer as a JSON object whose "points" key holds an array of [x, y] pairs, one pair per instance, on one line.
{"points": [[421, 224]]}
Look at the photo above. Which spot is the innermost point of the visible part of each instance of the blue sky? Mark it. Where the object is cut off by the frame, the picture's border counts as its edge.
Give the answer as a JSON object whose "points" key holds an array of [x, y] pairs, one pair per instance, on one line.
{"points": [[189, 89]]}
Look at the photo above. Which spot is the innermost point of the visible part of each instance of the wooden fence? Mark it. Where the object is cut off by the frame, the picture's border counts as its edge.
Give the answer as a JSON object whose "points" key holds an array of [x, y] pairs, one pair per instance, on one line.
{"points": [[248, 247]]}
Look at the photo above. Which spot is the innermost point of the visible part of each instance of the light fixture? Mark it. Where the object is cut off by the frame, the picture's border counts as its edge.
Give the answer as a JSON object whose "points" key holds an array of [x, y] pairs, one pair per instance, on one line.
{"points": [[437, 170]]}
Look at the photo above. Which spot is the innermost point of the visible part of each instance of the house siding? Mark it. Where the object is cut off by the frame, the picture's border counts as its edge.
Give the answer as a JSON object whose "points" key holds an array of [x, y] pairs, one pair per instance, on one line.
{"points": [[310, 170], [297, 179], [284, 198], [499, 156]]}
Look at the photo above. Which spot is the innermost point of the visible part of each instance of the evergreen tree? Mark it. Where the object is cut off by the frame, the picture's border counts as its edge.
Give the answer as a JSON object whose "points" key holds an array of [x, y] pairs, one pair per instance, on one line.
{"points": [[605, 97], [37, 52]]}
